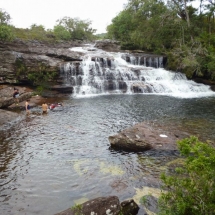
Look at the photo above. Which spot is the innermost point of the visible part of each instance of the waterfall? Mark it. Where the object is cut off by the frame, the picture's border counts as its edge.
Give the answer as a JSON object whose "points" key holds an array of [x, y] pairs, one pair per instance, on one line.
{"points": [[107, 73]]}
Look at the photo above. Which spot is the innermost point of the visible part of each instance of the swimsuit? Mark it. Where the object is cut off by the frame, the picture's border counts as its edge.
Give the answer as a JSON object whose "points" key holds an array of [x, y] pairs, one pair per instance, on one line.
{"points": [[16, 95]]}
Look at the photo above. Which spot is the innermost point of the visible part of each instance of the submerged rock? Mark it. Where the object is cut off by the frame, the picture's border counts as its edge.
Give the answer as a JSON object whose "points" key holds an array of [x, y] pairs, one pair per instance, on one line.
{"points": [[143, 137], [7, 116], [103, 206]]}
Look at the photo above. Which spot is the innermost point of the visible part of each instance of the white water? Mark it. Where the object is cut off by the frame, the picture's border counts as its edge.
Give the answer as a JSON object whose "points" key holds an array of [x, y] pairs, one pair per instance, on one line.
{"points": [[109, 73]]}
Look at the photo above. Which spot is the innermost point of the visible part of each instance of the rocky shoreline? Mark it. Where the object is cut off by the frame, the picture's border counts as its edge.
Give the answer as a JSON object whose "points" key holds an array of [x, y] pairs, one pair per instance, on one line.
{"points": [[10, 111]]}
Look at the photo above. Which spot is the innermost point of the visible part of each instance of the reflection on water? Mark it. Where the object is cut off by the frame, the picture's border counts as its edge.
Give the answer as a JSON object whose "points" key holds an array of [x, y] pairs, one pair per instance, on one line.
{"points": [[49, 162]]}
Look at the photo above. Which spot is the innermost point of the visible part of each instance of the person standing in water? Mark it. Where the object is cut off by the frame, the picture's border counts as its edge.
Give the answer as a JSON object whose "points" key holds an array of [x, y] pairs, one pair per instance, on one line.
{"points": [[27, 106], [45, 108]]}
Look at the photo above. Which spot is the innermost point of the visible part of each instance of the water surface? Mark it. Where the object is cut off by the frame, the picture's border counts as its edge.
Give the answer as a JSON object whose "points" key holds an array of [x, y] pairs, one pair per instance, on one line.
{"points": [[50, 162]]}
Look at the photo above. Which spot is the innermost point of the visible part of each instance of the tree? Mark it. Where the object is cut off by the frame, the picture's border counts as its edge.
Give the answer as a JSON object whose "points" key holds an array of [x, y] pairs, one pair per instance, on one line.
{"points": [[78, 29], [61, 33], [4, 17], [37, 32], [5, 28], [121, 26], [6, 33]]}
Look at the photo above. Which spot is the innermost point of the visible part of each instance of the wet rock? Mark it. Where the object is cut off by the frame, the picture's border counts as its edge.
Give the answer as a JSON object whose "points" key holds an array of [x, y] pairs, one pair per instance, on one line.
{"points": [[118, 185], [151, 203], [110, 85], [123, 85], [129, 207], [6, 95], [143, 137], [99, 206], [7, 116], [149, 60], [108, 45], [62, 89], [206, 82], [139, 87]]}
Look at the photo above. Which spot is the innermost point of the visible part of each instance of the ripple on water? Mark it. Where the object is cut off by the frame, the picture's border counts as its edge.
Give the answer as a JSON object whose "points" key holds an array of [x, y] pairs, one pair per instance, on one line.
{"points": [[48, 163]]}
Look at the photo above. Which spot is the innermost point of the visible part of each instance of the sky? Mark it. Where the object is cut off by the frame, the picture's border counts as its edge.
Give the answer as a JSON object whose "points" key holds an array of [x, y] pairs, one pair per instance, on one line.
{"points": [[24, 13]]}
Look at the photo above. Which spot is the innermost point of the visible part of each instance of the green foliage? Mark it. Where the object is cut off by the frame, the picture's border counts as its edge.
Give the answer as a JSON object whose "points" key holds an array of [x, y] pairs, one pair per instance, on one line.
{"points": [[121, 27], [101, 36], [42, 80], [34, 33], [174, 28], [41, 77], [4, 17], [66, 29], [20, 68], [77, 209], [143, 200], [184, 58], [61, 33], [190, 190], [6, 33], [40, 89], [78, 29]]}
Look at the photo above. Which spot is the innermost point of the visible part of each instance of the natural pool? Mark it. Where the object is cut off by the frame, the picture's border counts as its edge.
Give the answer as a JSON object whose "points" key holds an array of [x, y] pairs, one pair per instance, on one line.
{"points": [[51, 162]]}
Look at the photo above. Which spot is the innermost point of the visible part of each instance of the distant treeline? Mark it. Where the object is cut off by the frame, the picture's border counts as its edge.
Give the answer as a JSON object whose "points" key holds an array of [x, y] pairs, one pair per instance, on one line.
{"points": [[65, 29], [174, 28]]}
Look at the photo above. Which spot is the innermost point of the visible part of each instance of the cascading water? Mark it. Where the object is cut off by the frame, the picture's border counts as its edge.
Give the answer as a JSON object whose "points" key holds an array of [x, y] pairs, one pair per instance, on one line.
{"points": [[104, 73]]}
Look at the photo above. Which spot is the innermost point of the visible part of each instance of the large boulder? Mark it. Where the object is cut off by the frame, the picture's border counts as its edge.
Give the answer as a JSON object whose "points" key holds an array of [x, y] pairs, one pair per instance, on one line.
{"points": [[6, 95], [143, 137], [103, 206]]}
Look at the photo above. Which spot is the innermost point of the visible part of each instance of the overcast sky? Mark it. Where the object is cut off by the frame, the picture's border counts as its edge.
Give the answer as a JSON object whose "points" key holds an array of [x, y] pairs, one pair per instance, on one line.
{"points": [[24, 13]]}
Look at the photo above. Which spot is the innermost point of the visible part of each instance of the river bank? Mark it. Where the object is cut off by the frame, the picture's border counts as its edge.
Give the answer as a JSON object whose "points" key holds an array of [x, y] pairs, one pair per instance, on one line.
{"points": [[10, 114]]}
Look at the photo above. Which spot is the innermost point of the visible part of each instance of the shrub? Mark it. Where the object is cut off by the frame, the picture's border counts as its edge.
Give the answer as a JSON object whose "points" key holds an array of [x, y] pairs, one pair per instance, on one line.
{"points": [[190, 190], [6, 33]]}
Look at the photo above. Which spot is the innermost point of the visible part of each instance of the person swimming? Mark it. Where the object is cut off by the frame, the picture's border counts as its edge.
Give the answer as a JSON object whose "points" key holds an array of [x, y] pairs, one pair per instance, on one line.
{"points": [[54, 105]]}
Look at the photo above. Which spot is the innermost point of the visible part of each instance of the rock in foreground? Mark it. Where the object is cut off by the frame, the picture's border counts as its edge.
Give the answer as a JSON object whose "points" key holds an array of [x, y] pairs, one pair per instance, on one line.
{"points": [[143, 137], [103, 206]]}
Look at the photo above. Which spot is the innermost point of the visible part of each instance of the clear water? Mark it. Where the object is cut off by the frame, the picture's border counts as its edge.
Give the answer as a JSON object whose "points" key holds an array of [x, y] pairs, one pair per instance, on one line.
{"points": [[50, 162]]}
